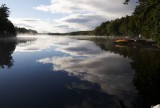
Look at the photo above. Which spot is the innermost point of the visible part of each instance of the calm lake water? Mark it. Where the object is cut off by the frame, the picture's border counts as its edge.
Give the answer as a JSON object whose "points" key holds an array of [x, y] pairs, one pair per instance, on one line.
{"points": [[69, 72]]}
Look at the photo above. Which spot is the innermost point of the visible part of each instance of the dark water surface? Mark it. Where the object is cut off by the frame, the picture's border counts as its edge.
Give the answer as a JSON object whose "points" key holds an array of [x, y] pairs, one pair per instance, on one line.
{"points": [[64, 72]]}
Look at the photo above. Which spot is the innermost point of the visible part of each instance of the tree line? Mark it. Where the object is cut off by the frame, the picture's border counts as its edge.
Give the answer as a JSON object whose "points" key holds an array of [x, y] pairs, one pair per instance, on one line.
{"points": [[118, 27], [145, 20]]}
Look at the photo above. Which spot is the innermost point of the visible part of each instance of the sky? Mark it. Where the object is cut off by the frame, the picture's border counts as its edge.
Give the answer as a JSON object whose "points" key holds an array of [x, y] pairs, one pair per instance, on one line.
{"points": [[65, 15]]}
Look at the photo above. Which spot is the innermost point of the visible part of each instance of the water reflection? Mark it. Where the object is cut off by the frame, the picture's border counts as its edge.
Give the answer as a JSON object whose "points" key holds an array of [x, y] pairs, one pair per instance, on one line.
{"points": [[63, 72], [7, 47], [42, 43], [114, 74], [146, 63], [99, 67]]}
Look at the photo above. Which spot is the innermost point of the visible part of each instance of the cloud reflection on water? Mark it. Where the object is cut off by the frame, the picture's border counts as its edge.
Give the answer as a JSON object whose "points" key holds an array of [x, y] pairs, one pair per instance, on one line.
{"points": [[112, 73], [88, 62], [39, 44], [63, 44]]}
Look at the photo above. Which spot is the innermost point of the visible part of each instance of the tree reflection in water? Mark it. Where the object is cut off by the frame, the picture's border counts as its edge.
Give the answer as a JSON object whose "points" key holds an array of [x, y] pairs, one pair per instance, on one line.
{"points": [[6, 50], [7, 47], [145, 62]]}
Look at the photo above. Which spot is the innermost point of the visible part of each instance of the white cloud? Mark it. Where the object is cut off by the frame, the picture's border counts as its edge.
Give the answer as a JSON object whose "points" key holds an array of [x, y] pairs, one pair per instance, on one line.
{"points": [[102, 7], [69, 23], [87, 14], [80, 15], [35, 24], [82, 22]]}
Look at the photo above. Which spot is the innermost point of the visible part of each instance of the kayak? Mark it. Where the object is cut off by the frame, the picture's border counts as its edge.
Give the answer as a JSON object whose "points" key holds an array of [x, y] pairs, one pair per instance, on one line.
{"points": [[121, 41]]}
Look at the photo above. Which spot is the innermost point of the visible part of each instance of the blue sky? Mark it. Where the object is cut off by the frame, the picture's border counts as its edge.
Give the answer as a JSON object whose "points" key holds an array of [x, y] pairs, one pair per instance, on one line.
{"points": [[65, 15], [24, 9]]}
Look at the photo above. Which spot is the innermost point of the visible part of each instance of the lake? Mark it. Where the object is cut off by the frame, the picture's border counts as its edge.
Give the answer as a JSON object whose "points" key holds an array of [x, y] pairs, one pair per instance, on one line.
{"points": [[77, 72]]}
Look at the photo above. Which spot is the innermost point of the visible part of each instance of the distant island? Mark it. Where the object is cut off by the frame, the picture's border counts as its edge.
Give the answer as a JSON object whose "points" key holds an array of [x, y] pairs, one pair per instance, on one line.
{"points": [[22, 30], [73, 33]]}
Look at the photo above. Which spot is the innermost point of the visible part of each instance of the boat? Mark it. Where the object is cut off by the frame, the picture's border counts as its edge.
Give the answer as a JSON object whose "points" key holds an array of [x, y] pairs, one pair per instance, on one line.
{"points": [[121, 40]]}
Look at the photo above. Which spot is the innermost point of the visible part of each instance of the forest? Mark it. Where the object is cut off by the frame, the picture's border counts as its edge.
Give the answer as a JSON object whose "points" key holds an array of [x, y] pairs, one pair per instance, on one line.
{"points": [[145, 20]]}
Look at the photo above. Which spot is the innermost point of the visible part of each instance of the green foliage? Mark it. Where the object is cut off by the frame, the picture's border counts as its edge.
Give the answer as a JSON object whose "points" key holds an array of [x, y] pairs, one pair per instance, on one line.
{"points": [[145, 20], [6, 26], [118, 27]]}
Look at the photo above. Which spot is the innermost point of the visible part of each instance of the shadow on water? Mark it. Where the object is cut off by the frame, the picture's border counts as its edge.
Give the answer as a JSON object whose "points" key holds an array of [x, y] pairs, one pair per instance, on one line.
{"points": [[146, 64], [7, 47]]}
